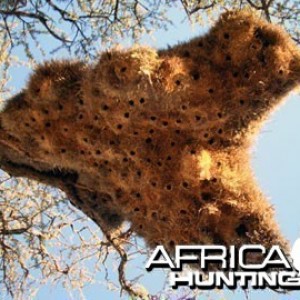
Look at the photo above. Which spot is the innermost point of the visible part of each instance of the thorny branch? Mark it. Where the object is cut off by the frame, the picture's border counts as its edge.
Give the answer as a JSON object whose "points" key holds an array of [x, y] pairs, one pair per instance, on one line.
{"points": [[262, 6], [78, 26]]}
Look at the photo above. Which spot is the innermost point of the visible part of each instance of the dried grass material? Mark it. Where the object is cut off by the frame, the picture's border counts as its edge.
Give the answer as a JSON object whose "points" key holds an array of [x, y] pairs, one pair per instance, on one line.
{"points": [[162, 139]]}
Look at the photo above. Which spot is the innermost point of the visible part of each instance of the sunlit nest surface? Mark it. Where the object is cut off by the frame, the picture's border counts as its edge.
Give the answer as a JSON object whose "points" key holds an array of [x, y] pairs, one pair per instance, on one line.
{"points": [[160, 138]]}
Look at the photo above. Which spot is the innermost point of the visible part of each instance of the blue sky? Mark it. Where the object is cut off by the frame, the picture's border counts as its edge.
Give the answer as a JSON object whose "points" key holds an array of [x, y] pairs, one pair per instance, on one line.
{"points": [[275, 159]]}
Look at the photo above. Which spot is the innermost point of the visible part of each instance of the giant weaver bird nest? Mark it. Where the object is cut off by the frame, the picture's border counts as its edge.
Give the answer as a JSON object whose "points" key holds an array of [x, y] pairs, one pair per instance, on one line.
{"points": [[159, 138]]}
